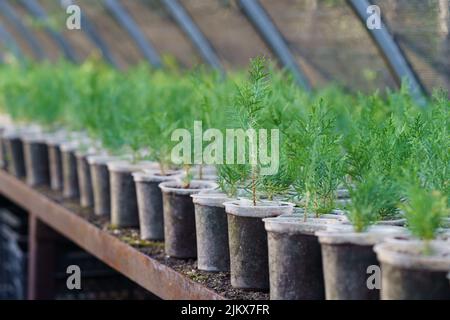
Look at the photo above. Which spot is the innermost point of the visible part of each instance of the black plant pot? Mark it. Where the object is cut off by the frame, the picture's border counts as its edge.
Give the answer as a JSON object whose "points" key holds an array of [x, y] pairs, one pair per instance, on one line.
{"points": [[179, 217], [213, 253], [14, 154], [124, 207], [150, 202], [100, 183], [55, 162], [347, 259], [409, 274], [249, 265], [69, 168], [3, 160], [36, 160], [84, 179], [295, 259]]}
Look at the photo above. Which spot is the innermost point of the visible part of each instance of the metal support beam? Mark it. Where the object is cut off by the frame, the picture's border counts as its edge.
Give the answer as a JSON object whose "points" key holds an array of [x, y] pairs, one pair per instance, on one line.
{"points": [[145, 270], [36, 10], [193, 32], [10, 43], [274, 39], [41, 260], [391, 52], [133, 29], [88, 28], [9, 13]]}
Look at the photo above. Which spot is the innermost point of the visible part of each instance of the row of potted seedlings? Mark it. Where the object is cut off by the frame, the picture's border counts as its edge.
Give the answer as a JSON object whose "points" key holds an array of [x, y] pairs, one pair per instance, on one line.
{"points": [[358, 186], [295, 273]]}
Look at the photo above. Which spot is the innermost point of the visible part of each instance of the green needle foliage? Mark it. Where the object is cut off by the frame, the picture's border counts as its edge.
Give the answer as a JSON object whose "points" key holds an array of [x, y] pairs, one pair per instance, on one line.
{"points": [[377, 145], [250, 102], [371, 198], [315, 152], [424, 211]]}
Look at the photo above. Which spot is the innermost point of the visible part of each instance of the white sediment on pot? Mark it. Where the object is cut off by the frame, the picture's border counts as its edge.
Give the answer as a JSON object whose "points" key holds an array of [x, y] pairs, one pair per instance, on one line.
{"points": [[127, 166], [211, 198], [195, 186], [300, 212], [69, 146], [263, 209], [101, 159], [410, 254], [341, 233], [153, 175], [297, 225], [35, 137]]}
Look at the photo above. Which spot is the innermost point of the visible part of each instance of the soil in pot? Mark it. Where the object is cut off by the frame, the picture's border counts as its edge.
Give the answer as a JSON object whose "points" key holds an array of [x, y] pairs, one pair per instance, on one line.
{"points": [[84, 178], [36, 160], [69, 168], [124, 208], [55, 162], [249, 265], [179, 217], [150, 202], [410, 274], [295, 258], [211, 223], [98, 166], [347, 256], [14, 154]]}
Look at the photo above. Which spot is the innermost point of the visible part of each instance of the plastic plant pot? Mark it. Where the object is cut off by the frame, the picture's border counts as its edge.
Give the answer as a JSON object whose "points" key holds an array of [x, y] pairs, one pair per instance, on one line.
{"points": [[69, 168], [55, 161], [213, 253], [84, 178], [36, 160], [3, 160], [295, 258], [408, 273], [98, 165], [124, 207], [249, 263], [179, 217], [14, 153], [150, 203], [347, 256]]}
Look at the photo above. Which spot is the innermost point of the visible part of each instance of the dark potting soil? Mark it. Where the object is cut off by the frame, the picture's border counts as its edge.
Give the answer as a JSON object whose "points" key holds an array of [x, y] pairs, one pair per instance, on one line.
{"points": [[218, 281]]}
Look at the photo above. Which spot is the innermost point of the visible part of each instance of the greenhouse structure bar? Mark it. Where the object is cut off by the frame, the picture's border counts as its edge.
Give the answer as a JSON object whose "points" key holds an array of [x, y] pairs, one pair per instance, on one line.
{"points": [[94, 36], [37, 11], [390, 51], [9, 13], [10, 43], [127, 22], [204, 47], [272, 36]]}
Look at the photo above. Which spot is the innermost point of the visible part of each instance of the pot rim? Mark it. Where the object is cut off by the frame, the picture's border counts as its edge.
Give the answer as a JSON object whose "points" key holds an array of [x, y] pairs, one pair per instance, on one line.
{"points": [[150, 175], [171, 187], [263, 209], [406, 254], [127, 166], [345, 234], [101, 159], [296, 225], [215, 198], [69, 146]]}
